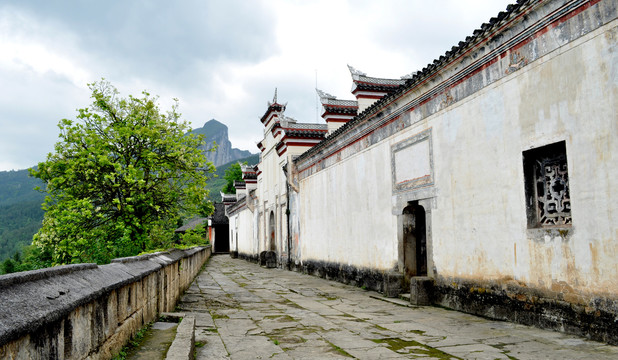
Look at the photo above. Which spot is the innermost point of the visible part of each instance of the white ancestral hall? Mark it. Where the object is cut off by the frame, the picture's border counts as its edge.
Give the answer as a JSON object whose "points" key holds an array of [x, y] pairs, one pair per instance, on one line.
{"points": [[484, 182]]}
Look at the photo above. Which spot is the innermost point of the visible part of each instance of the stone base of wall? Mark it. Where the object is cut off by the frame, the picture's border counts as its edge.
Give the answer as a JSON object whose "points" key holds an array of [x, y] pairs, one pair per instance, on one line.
{"points": [[268, 259], [595, 320], [249, 257], [388, 283]]}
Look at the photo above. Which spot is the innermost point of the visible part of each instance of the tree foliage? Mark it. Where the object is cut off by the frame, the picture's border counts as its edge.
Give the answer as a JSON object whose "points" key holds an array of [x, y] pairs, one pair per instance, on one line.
{"points": [[119, 179], [196, 236], [33, 258], [234, 172]]}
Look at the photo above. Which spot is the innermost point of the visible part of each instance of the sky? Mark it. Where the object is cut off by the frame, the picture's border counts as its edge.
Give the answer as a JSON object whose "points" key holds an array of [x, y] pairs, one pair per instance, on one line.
{"points": [[221, 59]]}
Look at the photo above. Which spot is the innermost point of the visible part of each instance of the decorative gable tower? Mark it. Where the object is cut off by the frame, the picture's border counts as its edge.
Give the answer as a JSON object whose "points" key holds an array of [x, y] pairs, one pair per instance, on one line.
{"points": [[263, 203], [273, 113], [369, 89], [336, 112]]}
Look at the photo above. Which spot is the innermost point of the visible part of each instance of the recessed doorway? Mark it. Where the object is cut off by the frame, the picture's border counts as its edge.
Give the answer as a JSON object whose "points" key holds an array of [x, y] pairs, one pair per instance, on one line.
{"points": [[271, 231], [414, 241]]}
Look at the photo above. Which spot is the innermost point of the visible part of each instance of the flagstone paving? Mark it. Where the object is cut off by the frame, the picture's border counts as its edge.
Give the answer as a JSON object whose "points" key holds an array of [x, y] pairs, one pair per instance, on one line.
{"points": [[244, 311]]}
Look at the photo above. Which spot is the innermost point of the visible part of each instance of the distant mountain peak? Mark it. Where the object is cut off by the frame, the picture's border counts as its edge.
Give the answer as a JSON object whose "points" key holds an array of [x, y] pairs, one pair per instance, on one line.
{"points": [[217, 132], [214, 124]]}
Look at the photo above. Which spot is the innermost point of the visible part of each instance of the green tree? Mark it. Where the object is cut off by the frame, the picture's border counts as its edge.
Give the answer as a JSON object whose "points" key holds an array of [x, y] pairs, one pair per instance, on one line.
{"points": [[8, 266], [34, 258], [196, 236], [234, 172], [119, 179]]}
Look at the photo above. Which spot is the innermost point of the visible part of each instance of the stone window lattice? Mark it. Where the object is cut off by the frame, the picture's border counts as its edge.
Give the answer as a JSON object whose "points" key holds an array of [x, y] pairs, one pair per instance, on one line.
{"points": [[548, 201]]}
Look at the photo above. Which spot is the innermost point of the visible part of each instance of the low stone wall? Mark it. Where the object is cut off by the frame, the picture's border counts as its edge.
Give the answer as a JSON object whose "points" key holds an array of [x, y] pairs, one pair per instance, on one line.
{"points": [[89, 311]]}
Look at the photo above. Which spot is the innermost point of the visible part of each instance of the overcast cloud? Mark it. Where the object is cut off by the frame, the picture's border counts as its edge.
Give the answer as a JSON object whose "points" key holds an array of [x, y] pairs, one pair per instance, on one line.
{"points": [[221, 59]]}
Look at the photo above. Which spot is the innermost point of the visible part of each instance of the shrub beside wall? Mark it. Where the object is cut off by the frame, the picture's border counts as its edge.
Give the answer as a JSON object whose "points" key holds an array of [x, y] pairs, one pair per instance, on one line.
{"points": [[89, 311]]}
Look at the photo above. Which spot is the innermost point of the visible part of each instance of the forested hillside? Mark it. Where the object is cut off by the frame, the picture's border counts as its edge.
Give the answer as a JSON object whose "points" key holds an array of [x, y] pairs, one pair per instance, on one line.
{"points": [[20, 211], [216, 184]]}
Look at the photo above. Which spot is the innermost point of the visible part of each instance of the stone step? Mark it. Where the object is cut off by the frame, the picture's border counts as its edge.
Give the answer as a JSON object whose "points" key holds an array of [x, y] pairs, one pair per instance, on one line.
{"points": [[405, 297], [183, 346], [395, 301]]}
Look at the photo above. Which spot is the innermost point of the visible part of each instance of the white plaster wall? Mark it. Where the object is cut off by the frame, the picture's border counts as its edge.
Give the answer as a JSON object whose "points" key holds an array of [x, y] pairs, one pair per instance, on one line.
{"points": [[332, 126], [346, 212], [364, 103], [272, 194], [268, 189], [479, 224], [245, 230], [233, 229]]}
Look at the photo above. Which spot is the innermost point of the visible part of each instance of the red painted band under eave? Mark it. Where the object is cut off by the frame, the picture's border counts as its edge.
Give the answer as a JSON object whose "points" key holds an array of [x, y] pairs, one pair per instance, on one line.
{"points": [[370, 96], [340, 106], [302, 144], [376, 84], [307, 129]]}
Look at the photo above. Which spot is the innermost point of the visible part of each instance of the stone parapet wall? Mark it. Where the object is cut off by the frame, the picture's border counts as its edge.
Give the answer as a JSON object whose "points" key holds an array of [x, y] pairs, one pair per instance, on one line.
{"points": [[89, 311]]}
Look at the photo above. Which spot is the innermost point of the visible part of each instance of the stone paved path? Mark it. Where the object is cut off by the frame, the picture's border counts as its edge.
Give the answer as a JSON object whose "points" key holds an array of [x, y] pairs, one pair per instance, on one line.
{"points": [[244, 311]]}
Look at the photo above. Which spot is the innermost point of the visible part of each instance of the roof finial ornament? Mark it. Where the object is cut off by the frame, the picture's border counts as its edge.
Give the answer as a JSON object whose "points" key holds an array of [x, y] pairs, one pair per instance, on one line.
{"points": [[275, 97], [324, 95], [354, 71]]}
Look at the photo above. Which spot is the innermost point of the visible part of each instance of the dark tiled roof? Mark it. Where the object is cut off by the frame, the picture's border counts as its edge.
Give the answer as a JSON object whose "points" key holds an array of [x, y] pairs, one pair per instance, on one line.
{"points": [[301, 133], [360, 86], [341, 110], [306, 126], [307, 130], [327, 99], [301, 130], [218, 217], [340, 103], [192, 224], [362, 82], [228, 198], [430, 69], [371, 81], [233, 208], [272, 107]]}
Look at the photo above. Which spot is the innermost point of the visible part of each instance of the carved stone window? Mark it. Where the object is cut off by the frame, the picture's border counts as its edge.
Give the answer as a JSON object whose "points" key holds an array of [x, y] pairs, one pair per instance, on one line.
{"points": [[548, 200]]}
